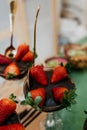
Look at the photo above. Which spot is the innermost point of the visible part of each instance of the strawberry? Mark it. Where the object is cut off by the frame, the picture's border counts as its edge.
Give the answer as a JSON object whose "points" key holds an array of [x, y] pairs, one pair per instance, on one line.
{"points": [[39, 92], [7, 107], [4, 60], [35, 98], [38, 74], [58, 93], [12, 127], [11, 70], [58, 74], [28, 57], [21, 51]]}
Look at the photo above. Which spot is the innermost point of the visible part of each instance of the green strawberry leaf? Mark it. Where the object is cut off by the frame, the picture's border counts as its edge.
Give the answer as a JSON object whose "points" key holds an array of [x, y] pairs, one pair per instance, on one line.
{"points": [[23, 102], [37, 100], [29, 101], [10, 76], [37, 107], [28, 95], [68, 66], [13, 98], [69, 98]]}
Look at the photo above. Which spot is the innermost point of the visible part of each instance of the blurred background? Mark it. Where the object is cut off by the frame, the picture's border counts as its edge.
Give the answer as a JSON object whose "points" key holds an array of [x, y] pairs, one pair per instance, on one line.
{"points": [[59, 22]]}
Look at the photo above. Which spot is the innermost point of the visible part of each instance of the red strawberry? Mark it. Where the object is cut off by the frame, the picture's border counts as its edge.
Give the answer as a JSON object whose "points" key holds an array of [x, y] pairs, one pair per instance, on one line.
{"points": [[59, 73], [4, 60], [7, 107], [28, 57], [58, 93], [21, 51], [11, 70], [35, 98], [38, 74], [12, 127], [38, 92]]}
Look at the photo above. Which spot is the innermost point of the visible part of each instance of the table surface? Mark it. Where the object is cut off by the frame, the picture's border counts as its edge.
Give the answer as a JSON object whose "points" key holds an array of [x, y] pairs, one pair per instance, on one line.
{"points": [[72, 120]]}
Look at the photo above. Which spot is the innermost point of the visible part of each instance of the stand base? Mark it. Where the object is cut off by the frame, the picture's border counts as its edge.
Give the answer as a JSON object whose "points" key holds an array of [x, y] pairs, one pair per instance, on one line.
{"points": [[51, 122]]}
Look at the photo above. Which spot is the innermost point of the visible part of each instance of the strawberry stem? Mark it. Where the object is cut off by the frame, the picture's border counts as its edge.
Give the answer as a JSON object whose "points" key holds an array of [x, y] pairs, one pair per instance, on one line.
{"points": [[68, 66]]}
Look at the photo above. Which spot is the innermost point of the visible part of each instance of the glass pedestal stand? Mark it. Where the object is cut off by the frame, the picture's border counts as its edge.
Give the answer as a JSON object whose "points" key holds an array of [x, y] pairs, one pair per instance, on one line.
{"points": [[51, 122]]}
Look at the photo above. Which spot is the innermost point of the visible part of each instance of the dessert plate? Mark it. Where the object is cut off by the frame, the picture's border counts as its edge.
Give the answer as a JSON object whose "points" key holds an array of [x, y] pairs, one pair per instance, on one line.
{"points": [[50, 104], [23, 70]]}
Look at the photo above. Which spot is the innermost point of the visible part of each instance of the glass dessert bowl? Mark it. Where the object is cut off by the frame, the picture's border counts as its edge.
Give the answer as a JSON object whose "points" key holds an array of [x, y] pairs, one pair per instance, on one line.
{"points": [[50, 104], [49, 94], [54, 61]]}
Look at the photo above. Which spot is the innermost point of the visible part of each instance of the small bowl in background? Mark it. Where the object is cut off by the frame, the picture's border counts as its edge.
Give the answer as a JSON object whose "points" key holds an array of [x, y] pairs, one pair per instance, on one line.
{"points": [[52, 62]]}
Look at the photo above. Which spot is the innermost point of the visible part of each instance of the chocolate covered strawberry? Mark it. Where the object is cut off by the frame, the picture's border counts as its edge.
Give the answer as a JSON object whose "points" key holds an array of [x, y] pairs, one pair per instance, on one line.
{"points": [[12, 127], [38, 73], [58, 93], [4, 60], [21, 51], [64, 96], [28, 57], [7, 107], [12, 70], [35, 98], [59, 73]]}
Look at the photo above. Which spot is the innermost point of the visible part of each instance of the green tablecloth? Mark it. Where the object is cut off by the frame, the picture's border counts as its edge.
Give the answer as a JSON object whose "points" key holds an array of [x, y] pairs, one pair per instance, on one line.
{"points": [[74, 120]]}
